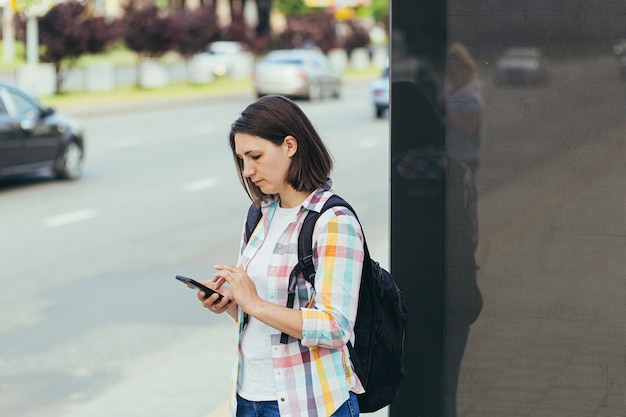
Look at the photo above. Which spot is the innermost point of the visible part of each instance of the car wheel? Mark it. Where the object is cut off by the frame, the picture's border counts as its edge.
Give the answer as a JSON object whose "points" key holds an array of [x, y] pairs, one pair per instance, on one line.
{"points": [[315, 92], [337, 91], [71, 162]]}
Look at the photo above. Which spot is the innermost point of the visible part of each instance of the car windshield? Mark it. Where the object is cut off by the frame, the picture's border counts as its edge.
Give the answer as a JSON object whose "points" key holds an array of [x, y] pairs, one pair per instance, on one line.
{"points": [[224, 48], [291, 61]]}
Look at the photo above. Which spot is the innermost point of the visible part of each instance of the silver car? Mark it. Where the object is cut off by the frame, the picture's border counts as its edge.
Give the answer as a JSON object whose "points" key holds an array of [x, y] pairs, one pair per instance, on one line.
{"points": [[297, 73]]}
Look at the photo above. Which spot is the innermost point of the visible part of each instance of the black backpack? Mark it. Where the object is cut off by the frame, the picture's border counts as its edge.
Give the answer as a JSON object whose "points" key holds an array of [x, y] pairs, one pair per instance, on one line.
{"points": [[380, 325]]}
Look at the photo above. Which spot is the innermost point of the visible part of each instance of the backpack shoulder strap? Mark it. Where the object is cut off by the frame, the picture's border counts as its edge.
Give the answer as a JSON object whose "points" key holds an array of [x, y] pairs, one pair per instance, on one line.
{"points": [[305, 239], [253, 218], [305, 248], [305, 253]]}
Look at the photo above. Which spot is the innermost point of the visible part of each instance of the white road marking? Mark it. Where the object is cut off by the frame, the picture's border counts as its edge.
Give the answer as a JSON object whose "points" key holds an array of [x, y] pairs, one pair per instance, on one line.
{"points": [[69, 217], [200, 185]]}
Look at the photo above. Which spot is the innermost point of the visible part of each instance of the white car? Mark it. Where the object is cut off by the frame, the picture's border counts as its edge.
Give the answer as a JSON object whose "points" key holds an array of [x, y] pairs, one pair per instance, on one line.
{"points": [[225, 55], [379, 92], [301, 73]]}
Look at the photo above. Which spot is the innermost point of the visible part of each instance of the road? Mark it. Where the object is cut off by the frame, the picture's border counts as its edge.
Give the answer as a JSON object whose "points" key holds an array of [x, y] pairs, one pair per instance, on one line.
{"points": [[93, 322]]}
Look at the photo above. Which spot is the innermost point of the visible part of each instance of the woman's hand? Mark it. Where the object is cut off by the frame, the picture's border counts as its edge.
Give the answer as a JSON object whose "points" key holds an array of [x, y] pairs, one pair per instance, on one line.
{"points": [[211, 302], [241, 286], [243, 290]]}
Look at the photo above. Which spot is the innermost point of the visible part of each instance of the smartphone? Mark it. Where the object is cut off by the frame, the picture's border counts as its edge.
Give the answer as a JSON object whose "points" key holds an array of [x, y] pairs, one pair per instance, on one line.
{"points": [[208, 291]]}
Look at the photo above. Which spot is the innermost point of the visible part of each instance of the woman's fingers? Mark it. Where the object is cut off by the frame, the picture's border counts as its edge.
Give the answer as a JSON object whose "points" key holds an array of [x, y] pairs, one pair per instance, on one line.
{"points": [[212, 304]]}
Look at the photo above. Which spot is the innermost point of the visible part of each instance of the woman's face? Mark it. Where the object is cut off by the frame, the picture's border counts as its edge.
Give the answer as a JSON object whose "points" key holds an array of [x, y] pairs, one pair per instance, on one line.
{"points": [[265, 163]]}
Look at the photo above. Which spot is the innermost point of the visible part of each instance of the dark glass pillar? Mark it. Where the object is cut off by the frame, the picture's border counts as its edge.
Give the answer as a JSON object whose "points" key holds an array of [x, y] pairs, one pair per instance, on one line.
{"points": [[508, 206], [418, 42]]}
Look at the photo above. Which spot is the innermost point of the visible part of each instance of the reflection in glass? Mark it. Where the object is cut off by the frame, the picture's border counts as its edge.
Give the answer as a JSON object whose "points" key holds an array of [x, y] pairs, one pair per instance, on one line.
{"points": [[537, 329]]}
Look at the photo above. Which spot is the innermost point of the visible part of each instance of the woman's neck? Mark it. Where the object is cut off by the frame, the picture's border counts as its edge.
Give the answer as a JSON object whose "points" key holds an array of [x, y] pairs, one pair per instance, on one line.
{"points": [[292, 198]]}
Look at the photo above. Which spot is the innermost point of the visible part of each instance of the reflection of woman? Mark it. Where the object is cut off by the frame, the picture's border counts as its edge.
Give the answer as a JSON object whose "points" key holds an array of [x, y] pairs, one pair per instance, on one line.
{"points": [[284, 166], [434, 212], [463, 106]]}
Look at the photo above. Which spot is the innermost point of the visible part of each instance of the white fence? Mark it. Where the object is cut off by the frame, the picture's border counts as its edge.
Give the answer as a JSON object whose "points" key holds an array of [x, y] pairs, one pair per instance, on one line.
{"points": [[40, 80]]}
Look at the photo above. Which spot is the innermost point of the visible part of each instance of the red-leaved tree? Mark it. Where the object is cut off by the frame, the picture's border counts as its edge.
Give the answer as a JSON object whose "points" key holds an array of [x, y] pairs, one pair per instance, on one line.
{"points": [[197, 28], [148, 30], [68, 31]]}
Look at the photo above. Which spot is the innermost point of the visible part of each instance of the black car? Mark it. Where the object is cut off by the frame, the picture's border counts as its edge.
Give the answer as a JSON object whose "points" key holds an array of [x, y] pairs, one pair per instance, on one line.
{"points": [[35, 138]]}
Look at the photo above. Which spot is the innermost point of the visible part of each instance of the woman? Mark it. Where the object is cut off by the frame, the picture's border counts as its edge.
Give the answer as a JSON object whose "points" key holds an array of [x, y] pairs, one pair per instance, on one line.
{"points": [[463, 99], [284, 166]]}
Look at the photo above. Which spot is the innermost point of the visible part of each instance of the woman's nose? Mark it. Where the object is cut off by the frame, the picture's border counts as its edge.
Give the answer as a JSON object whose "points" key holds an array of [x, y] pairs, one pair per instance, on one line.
{"points": [[247, 170]]}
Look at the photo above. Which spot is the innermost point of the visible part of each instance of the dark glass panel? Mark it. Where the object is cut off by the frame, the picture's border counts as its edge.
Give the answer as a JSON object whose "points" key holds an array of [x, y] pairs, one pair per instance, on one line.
{"points": [[509, 206]]}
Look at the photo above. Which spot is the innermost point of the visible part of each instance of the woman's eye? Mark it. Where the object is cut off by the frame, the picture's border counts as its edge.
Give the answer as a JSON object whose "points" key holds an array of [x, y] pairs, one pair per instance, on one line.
{"points": [[255, 157]]}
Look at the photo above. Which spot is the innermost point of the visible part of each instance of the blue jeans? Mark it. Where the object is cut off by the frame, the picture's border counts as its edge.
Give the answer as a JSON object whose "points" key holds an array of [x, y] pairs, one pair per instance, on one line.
{"points": [[247, 408], [348, 409]]}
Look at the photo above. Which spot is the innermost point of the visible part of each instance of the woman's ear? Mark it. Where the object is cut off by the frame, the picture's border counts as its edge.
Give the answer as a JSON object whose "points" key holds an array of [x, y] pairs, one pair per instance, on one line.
{"points": [[290, 144]]}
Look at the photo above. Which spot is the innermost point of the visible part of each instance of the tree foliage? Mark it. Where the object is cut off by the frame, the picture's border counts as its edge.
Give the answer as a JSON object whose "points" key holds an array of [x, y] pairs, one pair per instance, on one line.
{"points": [[63, 31], [238, 29], [317, 29], [197, 28], [291, 8], [148, 30], [358, 36], [68, 31], [377, 10], [263, 28]]}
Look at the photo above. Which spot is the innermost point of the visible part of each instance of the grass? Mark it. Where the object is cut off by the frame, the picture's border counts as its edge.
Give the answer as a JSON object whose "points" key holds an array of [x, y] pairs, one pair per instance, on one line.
{"points": [[129, 94]]}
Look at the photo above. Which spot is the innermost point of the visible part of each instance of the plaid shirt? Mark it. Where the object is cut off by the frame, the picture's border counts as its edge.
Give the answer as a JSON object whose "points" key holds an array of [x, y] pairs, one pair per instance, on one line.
{"points": [[314, 375]]}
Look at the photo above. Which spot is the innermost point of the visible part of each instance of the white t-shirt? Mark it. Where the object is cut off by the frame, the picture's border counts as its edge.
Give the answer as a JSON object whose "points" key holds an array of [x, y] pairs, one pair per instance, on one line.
{"points": [[257, 371]]}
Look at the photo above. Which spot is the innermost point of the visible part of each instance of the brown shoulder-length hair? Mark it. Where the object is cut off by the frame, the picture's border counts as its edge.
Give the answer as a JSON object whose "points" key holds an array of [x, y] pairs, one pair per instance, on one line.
{"points": [[459, 57], [273, 118]]}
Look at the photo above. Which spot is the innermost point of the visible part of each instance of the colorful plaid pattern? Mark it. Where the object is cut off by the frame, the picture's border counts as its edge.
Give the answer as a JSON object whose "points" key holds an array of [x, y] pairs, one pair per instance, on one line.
{"points": [[313, 375]]}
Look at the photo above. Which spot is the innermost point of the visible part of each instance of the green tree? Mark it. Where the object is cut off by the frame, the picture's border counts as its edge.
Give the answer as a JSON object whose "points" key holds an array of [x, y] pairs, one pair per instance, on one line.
{"points": [[293, 7], [378, 10]]}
